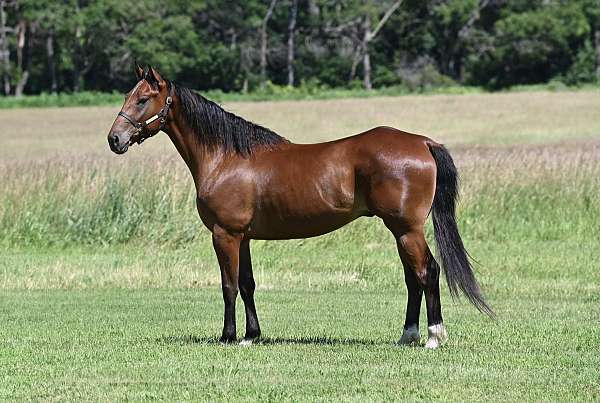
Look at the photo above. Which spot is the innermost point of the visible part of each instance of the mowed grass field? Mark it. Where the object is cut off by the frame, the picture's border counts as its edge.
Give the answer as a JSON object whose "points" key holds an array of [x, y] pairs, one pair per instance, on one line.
{"points": [[109, 288]]}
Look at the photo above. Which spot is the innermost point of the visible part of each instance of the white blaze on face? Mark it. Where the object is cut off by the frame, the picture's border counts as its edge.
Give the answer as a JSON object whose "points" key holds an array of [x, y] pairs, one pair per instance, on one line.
{"points": [[135, 89]]}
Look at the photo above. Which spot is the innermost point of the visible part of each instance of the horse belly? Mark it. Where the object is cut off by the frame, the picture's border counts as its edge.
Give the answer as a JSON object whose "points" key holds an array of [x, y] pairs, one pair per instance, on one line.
{"points": [[293, 227], [316, 208]]}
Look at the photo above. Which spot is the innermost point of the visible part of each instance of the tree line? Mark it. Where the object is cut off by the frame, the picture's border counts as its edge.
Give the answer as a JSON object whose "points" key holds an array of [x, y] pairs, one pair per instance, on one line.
{"points": [[241, 45]]}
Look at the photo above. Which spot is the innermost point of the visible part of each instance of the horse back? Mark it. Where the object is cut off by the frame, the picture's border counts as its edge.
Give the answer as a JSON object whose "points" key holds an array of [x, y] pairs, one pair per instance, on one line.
{"points": [[317, 188]]}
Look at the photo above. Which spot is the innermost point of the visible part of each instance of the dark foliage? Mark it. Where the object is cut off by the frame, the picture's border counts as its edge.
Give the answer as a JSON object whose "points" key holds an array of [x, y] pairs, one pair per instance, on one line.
{"points": [[75, 45]]}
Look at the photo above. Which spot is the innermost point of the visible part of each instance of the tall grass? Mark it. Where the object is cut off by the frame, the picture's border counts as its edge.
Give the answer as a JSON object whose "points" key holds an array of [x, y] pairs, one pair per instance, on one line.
{"points": [[91, 201], [530, 193]]}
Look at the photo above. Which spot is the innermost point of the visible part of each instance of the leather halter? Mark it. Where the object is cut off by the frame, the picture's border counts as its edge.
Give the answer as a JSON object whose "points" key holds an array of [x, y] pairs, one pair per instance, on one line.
{"points": [[161, 116]]}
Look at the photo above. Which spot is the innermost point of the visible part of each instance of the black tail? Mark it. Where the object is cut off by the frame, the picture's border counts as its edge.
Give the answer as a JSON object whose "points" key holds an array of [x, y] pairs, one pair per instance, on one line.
{"points": [[455, 259]]}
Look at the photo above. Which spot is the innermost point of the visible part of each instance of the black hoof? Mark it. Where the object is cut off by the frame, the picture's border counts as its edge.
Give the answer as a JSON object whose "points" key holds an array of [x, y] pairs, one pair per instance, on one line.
{"points": [[227, 339]]}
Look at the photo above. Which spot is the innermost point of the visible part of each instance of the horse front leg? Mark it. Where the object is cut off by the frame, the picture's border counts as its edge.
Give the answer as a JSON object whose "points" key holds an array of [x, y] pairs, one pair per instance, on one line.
{"points": [[247, 286], [227, 248]]}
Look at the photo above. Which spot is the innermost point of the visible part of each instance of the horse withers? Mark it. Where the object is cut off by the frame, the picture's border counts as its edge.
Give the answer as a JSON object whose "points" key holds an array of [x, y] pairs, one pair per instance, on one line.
{"points": [[252, 183]]}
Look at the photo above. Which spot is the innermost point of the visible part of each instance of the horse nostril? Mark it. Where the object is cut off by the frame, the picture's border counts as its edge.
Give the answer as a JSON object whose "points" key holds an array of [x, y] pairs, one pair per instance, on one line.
{"points": [[114, 140]]}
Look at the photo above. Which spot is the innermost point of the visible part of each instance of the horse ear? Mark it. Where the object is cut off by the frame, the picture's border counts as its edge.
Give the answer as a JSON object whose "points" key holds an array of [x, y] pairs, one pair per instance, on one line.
{"points": [[154, 78], [139, 71]]}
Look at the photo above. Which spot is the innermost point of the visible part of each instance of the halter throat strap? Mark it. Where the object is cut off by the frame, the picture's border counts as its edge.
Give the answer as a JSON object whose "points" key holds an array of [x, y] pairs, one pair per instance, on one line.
{"points": [[140, 127]]}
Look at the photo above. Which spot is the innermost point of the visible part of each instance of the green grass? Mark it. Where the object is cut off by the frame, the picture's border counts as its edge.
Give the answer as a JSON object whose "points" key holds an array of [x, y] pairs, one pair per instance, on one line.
{"points": [[269, 93], [109, 288], [337, 345], [110, 294], [85, 98]]}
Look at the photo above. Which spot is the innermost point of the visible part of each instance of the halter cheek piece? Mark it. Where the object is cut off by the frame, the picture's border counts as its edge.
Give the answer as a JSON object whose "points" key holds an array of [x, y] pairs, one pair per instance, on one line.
{"points": [[140, 127]]}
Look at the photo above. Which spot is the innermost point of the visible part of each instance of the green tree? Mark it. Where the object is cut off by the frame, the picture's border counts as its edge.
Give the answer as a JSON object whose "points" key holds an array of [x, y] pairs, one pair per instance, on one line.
{"points": [[591, 9], [237, 44], [532, 46]]}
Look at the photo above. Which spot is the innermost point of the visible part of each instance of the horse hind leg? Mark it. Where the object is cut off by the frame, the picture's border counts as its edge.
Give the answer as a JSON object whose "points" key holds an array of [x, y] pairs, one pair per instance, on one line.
{"points": [[421, 272], [437, 335], [410, 334]]}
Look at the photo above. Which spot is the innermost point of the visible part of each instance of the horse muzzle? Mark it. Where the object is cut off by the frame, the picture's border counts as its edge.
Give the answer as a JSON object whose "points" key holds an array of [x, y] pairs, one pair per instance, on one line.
{"points": [[118, 144]]}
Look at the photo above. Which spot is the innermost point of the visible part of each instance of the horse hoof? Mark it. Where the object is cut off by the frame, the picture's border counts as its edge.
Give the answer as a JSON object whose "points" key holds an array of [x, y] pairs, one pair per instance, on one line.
{"points": [[437, 336], [247, 342], [410, 336], [227, 340]]}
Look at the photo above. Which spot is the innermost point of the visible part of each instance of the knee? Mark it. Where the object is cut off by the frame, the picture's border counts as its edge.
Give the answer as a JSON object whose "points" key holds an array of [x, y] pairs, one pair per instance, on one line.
{"points": [[428, 274], [229, 291], [422, 277]]}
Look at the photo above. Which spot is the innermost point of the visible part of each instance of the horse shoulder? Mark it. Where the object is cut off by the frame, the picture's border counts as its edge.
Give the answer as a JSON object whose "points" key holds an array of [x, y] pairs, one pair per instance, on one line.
{"points": [[227, 198]]}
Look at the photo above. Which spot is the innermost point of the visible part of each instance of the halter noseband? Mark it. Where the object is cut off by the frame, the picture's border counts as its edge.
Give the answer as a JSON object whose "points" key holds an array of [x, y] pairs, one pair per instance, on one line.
{"points": [[161, 116]]}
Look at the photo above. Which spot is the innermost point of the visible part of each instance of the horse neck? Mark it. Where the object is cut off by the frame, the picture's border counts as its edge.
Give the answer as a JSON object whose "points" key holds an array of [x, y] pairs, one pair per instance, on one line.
{"points": [[200, 158]]}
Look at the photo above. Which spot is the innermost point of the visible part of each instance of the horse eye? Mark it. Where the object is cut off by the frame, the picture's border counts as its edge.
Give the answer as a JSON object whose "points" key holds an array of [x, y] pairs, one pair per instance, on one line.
{"points": [[142, 101]]}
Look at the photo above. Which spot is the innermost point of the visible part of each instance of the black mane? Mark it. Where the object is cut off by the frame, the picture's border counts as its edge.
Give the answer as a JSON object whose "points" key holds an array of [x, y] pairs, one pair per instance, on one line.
{"points": [[216, 126]]}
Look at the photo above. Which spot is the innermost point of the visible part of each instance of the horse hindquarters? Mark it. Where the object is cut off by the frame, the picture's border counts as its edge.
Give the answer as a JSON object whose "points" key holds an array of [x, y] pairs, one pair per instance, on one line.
{"points": [[401, 190], [420, 266]]}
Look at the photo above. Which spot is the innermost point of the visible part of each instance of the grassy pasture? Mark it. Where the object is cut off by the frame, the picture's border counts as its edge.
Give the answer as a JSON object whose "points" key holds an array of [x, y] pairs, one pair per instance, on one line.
{"points": [[111, 344], [470, 119], [109, 288]]}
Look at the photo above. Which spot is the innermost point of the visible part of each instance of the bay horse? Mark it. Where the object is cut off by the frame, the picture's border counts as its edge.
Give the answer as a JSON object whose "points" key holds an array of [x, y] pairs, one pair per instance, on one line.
{"points": [[252, 183]]}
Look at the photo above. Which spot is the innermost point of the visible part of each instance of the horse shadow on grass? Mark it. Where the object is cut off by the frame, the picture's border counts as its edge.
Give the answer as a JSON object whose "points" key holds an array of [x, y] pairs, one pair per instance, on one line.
{"points": [[300, 340]]}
